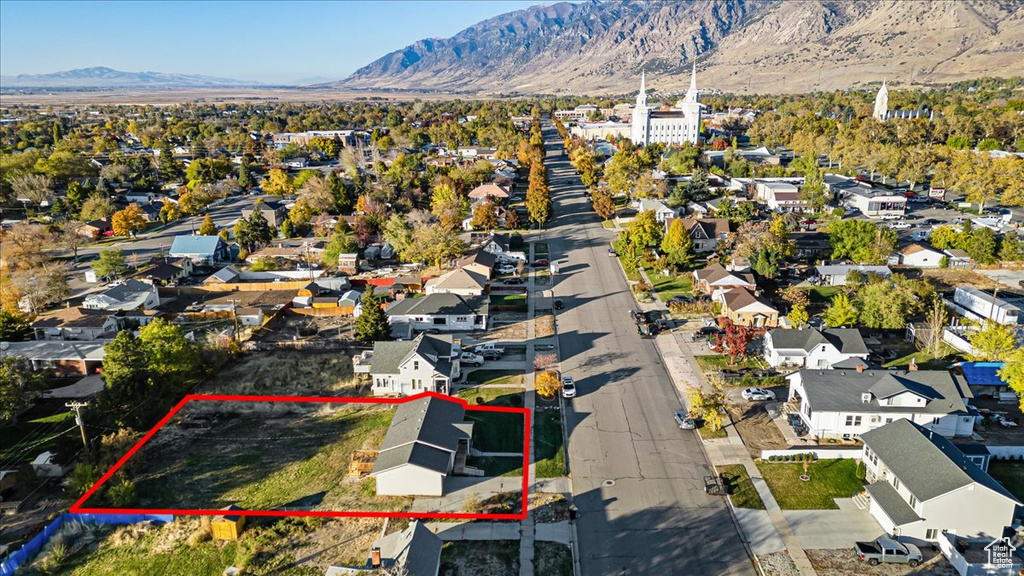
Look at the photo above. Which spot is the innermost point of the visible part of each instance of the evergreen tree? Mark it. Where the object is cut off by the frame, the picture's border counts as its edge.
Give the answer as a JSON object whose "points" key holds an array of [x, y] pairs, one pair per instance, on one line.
{"points": [[372, 324], [208, 228], [244, 179]]}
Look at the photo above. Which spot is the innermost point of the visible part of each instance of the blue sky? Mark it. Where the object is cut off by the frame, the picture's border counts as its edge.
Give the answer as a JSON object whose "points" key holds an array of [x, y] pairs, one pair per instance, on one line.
{"points": [[263, 41]]}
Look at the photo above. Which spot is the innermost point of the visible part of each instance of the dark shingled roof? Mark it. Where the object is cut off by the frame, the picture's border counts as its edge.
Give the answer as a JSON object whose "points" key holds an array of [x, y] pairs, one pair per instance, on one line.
{"points": [[420, 432], [416, 550], [388, 356], [846, 340], [438, 305], [926, 463], [837, 390], [415, 454], [892, 503]]}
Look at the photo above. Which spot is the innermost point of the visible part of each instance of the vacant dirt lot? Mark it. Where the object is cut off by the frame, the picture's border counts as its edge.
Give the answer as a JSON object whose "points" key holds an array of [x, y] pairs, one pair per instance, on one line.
{"points": [[287, 373], [948, 279], [507, 326], [844, 563], [756, 428]]}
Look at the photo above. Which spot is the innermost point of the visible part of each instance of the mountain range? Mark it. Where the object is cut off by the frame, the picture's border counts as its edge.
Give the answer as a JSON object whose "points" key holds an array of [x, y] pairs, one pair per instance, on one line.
{"points": [[752, 46], [103, 77]]}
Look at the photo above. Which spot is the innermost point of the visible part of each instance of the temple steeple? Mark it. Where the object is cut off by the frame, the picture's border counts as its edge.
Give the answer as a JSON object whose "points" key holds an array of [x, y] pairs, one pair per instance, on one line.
{"points": [[641, 97]]}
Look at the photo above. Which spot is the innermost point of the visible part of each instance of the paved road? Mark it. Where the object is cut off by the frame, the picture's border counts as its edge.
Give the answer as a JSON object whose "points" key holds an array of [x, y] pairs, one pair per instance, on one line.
{"points": [[637, 478]]}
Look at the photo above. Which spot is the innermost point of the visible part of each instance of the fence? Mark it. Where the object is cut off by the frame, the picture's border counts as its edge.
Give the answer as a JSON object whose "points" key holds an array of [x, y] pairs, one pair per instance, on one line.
{"points": [[820, 453], [1006, 452], [16, 559]]}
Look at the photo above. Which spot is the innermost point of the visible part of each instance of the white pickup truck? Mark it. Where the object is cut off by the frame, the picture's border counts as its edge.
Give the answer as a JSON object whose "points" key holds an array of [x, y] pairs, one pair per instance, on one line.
{"points": [[489, 349]]}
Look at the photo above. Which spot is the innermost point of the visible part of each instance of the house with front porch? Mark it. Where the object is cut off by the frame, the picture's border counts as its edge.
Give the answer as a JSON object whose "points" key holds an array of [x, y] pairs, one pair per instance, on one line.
{"points": [[440, 312], [812, 348], [428, 363], [745, 308], [922, 486], [428, 440], [705, 233], [848, 403], [716, 279]]}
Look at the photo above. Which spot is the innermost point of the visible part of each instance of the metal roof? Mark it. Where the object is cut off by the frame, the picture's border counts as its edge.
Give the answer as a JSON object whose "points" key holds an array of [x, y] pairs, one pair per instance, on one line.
{"points": [[983, 373]]}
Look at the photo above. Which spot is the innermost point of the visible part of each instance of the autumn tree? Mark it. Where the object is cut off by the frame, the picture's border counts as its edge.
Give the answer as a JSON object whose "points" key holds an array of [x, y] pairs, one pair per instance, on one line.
{"points": [[861, 241], [512, 219], [994, 342], [547, 384], [42, 285], [449, 206], [798, 316], [435, 244], [96, 207], [208, 228], [709, 406], [842, 312], [128, 221], [1012, 373], [278, 183], [603, 203], [736, 340], [677, 246], [485, 216]]}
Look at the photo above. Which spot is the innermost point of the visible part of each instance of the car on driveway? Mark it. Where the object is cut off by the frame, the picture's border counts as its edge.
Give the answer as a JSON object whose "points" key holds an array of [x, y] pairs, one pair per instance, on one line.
{"points": [[515, 280], [568, 387], [506, 270], [685, 421], [708, 331], [757, 394], [471, 359], [540, 263]]}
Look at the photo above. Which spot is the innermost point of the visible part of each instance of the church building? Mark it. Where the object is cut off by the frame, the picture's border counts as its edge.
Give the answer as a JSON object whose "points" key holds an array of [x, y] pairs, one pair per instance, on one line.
{"points": [[674, 126], [882, 112]]}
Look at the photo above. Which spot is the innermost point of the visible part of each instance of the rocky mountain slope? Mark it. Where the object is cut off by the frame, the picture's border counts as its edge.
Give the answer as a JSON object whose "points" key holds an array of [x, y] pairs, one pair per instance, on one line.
{"points": [[740, 45], [103, 77]]}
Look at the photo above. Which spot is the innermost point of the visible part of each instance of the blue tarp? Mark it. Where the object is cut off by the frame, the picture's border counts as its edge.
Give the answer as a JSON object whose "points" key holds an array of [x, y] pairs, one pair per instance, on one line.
{"points": [[17, 559], [983, 373]]}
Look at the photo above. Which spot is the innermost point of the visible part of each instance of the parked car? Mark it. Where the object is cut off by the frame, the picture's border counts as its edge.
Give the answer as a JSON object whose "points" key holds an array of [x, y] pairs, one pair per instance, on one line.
{"points": [[540, 263], [568, 387], [710, 331], [890, 217], [918, 199], [657, 317], [758, 394], [489, 354], [612, 252], [899, 225], [647, 330], [515, 280], [506, 270], [488, 347], [638, 316], [888, 550], [471, 359], [932, 221], [685, 421]]}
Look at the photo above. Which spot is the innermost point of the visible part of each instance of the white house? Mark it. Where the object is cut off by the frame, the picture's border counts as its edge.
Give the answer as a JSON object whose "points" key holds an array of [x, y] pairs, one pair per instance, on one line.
{"points": [[497, 244], [876, 203], [427, 363], [75, 324], [716, 279], [428, 440], [978, 305], [835, 274], [461, 281], [847, 403], [920, 256], [922, 485], [125, 295], [811, 348], [442, 312], [661, 211]]}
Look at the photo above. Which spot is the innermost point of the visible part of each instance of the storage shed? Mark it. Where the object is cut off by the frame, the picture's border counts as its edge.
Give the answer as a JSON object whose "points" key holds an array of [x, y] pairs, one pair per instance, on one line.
{"points": [[227, 526]]}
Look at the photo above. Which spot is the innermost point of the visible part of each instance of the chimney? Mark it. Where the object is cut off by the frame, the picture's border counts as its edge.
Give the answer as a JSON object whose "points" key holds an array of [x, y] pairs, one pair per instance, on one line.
{"points": [[860, 368], [375, 557], [913, 365]]}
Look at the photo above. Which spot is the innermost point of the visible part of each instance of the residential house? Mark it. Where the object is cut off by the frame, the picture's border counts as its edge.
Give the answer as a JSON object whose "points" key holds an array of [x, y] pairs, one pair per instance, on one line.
{"points": [[199, 249], [716, 279], [124, 295], [150, 212], [274, 212], [847, 403], [922, 486], [74, 324], [497, 244], [165, 273], [496, 192], [348, 262], [479, 261], [984, 380], [811, 348], [427, 363], [810, 246], [66, 358], [427, 441], [414, 551], [836, 274], [661, 211], [744, 308], [957, 258], [225, 275], [920, 256], [93, 229], [876, 203], [705, 233], [443, 312], [780, 195], [980, 306], [461, 281]]}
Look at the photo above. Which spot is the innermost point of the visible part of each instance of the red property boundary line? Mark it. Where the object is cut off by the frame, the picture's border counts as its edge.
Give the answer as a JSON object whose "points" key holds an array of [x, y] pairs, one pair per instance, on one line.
{"points": [[79, 506]]}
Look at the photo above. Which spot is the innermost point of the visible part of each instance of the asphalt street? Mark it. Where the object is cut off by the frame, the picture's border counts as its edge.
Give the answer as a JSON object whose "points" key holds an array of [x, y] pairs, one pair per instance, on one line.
{"points": [[638, 480]]}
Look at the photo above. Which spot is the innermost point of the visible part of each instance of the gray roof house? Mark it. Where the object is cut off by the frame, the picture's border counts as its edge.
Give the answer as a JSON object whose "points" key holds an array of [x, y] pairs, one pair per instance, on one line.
{"points": [[66, 358], [274, 212], [835, 274], [427, 363], [922, 485], [461, 281], [415, 551], [847, 403], [811, 348], [75, 324], [428, 440], [441, 312], [125, 295]]}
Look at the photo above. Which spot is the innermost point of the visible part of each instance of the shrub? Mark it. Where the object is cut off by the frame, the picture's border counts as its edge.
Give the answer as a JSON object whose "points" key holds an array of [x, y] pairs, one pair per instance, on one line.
{"points": [[479, 399], [547, 384]]}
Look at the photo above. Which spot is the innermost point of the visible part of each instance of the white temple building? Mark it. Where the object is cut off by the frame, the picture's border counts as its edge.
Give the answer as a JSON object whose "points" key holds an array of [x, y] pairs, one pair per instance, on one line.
{"points": [[674, 126], [882, 112]]}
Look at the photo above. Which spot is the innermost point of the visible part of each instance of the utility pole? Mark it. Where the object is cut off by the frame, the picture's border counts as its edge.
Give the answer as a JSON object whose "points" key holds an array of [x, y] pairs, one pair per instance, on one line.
{"points": [[234, 313], [77, 407]]}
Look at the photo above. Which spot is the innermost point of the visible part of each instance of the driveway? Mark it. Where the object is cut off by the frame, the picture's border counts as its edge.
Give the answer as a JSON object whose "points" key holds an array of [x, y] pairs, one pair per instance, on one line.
{"points": [[832, 529]]}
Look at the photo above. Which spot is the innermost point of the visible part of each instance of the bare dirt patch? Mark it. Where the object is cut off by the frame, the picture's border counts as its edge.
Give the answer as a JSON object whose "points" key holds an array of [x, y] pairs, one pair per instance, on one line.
{"points": [[948, 279], [507, 326], [288, 373], [543, 324], [844, 563], [471, 558], [778, 564], [756, 428], [549, 507]]}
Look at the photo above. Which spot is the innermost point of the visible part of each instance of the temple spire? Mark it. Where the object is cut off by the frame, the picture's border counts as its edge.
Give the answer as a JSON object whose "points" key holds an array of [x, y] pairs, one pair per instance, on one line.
{"points": [[641, 97]]}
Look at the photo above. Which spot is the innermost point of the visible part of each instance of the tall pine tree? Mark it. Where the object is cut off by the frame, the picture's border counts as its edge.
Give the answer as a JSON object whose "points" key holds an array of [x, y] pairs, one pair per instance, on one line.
{"points": [[372, 324]]}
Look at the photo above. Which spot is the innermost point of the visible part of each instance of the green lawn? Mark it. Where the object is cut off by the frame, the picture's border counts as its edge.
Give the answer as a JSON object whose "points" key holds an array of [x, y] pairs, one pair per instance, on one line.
{"points": [[549, 450], [508, 302], [35, 432], [924, 360], [823, 294], [829, 479], [496, 431], [1010, 474], [743, 494], [498, 466], [669, 286], [708, 434], [716, 362], [505, 377], [631, 275], [493, 396], [552, 558]]}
